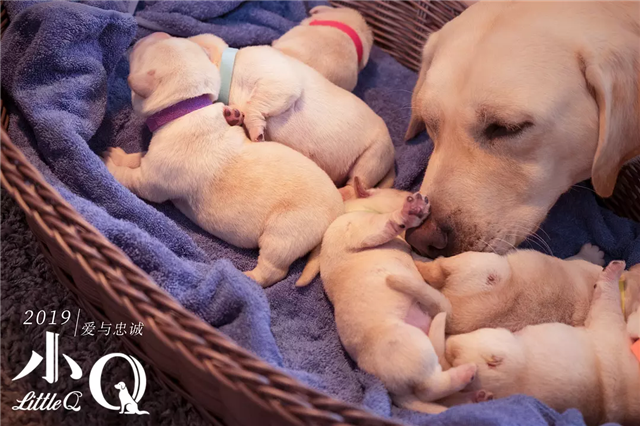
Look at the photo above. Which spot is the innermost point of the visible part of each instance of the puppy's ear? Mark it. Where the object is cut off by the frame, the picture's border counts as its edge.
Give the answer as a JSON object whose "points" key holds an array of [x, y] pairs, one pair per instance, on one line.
{"points": [[213, 45], [144, 83], [612, 72], [319, 9], [361, 190], [416, 123], [433, 272]]}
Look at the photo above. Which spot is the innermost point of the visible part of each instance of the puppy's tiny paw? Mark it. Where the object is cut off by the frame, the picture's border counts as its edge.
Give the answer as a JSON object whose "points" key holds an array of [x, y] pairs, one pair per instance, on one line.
{"points": [[114, 156], [592, 253], [482, 396], [233, 116], [415, 210], [467, 372]]}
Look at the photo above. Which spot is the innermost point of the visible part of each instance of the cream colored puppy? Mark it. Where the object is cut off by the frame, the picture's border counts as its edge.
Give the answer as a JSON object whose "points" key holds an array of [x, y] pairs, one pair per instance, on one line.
{"points": [[251, 195], [591, 368], [521, 288], [285, 100], [523, 99], [384, 330], [330, 50]]}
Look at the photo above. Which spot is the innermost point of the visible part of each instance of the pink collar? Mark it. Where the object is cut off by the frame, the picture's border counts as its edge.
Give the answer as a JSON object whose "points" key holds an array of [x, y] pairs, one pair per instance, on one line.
{"points": [[345, 29], [178, 110]]}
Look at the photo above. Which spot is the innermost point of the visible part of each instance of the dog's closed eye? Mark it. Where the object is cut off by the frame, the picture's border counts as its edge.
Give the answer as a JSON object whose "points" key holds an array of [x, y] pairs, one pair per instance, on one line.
{"points": [[498, 130]]}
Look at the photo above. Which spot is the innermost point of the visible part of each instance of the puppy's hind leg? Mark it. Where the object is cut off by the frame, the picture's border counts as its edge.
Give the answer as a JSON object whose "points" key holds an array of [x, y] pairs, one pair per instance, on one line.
{"points": [[141, 181], [429, 297], [271, 268], [375, 166], [266, 102], [284, 240]]}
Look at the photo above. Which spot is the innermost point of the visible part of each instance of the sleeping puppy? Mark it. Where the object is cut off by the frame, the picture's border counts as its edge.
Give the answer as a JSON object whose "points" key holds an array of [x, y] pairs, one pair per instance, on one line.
{"points": [[288, 101], [522, 101], [521, 288], [251, 195], [328, 49], [591, 368], [384, 330]]}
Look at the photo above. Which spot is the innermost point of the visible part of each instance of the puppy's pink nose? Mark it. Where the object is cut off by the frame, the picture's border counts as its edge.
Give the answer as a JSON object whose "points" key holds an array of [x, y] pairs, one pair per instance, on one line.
{"points": [[428, 239]]}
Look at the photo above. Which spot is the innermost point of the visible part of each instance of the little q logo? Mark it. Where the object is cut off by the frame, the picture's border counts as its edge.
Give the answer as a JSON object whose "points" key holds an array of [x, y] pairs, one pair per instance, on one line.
{"points": [[128, 402]]}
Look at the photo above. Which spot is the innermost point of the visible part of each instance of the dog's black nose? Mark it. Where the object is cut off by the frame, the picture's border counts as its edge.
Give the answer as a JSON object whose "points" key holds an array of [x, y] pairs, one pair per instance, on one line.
{"points": [[430, 239]]}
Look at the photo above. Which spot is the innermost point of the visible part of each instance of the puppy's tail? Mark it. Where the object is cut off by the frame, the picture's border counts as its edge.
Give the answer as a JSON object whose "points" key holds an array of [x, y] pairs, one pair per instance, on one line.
{"points": [[311, 269], [427, 296], [142, 412], [436, 335]]}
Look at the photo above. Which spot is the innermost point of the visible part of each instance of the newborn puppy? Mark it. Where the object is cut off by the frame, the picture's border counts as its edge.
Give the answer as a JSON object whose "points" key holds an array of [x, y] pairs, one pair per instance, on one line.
{"points": [[334, 42], [251, 195], [288, 101], [521, 288], [384, 330], [591, 368]]}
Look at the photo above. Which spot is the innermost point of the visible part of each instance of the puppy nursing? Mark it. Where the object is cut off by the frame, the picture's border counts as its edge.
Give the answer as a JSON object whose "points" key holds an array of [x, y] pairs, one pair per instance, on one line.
{"points": [[524, 287], [334, 42], [590, 368], [287, 101], [384, 330], [251, 195]]}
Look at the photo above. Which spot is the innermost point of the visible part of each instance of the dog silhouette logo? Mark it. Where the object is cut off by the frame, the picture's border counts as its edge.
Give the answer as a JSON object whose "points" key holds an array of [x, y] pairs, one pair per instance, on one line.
{"points": [[127, 403], [128, 400]]}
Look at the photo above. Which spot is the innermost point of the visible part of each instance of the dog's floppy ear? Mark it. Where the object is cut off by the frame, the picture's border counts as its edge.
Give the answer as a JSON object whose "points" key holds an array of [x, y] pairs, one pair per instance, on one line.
{"points": [[612, 72], [319, 9], [434, 272], [143, 83], [213, 45], [416, 123]]}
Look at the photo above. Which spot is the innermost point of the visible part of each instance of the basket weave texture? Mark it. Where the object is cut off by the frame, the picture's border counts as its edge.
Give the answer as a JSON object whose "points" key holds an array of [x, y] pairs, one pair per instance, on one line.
{"points": [[228, 384]]}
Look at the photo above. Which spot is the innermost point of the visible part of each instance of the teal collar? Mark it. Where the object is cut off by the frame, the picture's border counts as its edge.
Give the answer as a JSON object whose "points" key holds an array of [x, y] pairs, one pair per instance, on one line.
{"points": [[227, 61]]}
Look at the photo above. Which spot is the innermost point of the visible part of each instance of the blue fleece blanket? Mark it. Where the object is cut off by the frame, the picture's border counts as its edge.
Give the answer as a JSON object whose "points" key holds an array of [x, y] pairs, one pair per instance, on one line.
{"points": [[64, 65]]}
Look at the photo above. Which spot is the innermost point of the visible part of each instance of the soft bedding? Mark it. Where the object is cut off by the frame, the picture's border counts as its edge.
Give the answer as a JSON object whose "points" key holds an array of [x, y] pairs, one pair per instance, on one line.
{"points": [[64, 65]]}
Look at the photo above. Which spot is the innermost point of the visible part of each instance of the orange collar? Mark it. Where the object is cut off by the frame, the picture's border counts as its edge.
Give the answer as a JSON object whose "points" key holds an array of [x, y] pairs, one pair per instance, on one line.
{"points": [[345, 29], [635, 348]]}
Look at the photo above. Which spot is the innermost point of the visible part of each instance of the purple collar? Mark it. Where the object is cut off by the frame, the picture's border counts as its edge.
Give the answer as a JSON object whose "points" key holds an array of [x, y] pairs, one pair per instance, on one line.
{"points": [[178, 110]]}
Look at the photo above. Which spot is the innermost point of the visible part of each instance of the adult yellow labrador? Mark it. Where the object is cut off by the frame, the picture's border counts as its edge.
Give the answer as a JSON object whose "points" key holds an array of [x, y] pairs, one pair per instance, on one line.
{"points": [[522, 101]]}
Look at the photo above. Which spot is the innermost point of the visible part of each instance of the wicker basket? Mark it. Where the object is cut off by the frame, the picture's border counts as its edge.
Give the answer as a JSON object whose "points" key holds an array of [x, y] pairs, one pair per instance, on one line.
{"points": [[227, 383]]}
